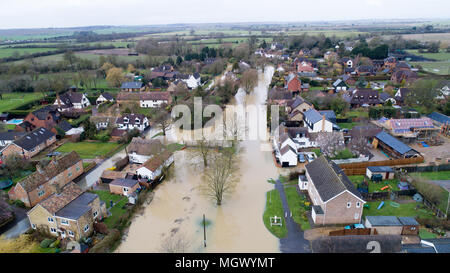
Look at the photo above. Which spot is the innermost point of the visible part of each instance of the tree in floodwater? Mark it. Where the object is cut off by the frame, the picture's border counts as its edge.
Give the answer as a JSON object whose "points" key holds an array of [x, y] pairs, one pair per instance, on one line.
{"points": [[220, 176], [163, 120], [175, 243], [249, 80]]}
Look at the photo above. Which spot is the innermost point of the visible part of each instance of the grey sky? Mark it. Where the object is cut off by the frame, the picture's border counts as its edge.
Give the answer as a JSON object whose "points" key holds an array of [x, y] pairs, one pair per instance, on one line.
{"points": [[68, 13]]}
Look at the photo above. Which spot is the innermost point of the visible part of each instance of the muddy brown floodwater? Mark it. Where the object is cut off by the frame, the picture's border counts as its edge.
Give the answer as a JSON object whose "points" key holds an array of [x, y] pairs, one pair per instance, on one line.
{"points": [[178, 206]]}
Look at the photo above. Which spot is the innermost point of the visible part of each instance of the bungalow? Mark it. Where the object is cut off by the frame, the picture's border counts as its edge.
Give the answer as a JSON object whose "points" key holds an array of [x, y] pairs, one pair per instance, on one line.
{"points": [[392, 146], [40, 184], [132, 121], [335, 199], [152, 168], [385, 172], [71, 101], [30, 144], [104, 97], [68, 213], [123, 186], [132, 87], [140, 149], [315, 122]]}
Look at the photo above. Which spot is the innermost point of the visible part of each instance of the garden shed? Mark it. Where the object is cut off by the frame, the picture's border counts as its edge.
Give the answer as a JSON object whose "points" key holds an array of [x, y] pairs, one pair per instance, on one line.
{"points": [[386, 172]]}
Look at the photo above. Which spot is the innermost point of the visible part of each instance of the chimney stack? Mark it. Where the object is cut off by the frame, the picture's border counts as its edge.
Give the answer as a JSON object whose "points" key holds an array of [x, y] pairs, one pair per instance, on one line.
{"points": [[323, 123]]}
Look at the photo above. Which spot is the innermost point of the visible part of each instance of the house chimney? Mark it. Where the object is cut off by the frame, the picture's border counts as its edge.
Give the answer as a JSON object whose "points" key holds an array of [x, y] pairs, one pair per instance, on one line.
{"points": [[56, 188], [323, 123]]}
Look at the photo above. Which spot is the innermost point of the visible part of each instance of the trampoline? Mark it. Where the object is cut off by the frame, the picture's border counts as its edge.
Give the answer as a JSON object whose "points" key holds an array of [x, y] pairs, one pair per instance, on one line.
{"points": [[4, 184]]}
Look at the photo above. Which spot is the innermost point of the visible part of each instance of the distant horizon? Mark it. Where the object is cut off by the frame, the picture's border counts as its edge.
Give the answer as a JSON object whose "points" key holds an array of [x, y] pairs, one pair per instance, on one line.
{"points": [[31, 14]]}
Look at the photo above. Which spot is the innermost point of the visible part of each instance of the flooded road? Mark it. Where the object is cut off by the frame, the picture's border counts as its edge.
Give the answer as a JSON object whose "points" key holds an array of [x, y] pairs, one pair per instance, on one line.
{"points": [[175, 214]]}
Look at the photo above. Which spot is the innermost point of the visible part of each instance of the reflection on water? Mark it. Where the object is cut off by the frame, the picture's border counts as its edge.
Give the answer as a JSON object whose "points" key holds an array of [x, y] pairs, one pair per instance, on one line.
{"points": [[178, 206]]}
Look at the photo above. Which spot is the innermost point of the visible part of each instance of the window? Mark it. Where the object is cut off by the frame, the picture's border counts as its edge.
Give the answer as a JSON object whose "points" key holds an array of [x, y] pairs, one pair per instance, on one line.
{"points": [[349, 204], [53, 230], [95, 214], [50, 219], [78, 168], [33, 226], [64, 222], [86, 228], [69, 175], [41, 193], [413, 228], [358, 204], [125, 189], [71, 234]]}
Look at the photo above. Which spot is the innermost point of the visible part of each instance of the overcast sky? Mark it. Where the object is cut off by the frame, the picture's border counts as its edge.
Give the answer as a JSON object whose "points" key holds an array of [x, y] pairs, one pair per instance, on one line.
{"points": [[69, 13]]}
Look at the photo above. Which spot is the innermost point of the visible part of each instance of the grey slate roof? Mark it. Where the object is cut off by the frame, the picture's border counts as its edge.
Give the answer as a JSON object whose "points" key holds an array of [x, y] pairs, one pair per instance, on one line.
{"points": [[383, 220], [11, 135], [78, 207], [132, 85], [34, 138], [393, 142], [123, 182], [441, 118], [328, 179], [329, 115], [408, 221], [64, 125], [380, 169], [313, 116], [107, 96]]}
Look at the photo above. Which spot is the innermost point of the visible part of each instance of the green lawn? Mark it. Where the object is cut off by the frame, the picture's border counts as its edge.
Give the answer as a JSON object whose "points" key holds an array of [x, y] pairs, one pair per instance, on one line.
{"points": [[374, 186], [440, 68], [425, 234], [88, 149], [298, 207], [116, 211], [106, 197], [443, 175], [14, 100], [317, 151], [274, 207], [404, 210], [347, 125], [8, 52]]}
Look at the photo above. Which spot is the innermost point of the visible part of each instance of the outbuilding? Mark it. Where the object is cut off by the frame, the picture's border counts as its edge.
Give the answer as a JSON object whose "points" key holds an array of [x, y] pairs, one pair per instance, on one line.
{"points": [[384, 171], [123, 186], [385, 225], [410, 226]]}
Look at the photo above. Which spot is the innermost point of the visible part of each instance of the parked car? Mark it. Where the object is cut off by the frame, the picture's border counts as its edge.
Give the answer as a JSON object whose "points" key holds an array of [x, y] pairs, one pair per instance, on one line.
{"points": [[310, 157], [301, 158]]}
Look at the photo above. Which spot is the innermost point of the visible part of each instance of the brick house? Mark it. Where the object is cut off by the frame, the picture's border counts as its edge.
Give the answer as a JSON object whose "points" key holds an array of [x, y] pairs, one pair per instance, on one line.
{"points": [[41, 184], [123, 186], [365, 97], [132, 87], [335, 199], [46, 117], [293, 84], [30, 144], [68, 213], [299, 104]]}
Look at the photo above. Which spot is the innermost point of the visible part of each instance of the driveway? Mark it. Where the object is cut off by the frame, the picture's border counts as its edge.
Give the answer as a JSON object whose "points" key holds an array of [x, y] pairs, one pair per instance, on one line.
{"points": [[19, 225], [295, 241]]}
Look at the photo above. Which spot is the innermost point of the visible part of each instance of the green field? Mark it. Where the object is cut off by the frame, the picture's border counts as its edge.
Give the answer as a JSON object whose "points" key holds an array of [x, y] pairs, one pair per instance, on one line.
{"points": [[274, 207], [8, 52], [88, 149], [441, 56], [13, 100]]}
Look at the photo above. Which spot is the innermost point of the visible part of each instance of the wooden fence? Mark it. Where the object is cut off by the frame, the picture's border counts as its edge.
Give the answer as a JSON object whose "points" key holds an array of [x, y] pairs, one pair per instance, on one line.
{"points": [[371, 196], [439, 213], [356, 231], [359, 168]]}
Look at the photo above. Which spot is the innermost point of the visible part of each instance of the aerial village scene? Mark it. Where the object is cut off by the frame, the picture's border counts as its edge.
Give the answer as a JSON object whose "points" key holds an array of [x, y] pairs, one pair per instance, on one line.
{"points": [[355, 146]]}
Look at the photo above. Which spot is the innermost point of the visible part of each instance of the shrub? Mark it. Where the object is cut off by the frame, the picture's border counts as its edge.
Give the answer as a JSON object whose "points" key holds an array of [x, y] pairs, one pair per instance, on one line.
{"points": [[107, 243], [55, 243], [46, 243]]}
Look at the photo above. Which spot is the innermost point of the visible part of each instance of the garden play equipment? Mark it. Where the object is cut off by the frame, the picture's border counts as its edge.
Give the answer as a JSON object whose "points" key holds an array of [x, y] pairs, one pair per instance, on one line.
{"points": [[394, 204], [424, 144], [381, 205], [367, 206], [418, 198], [4, 184], [385, 187], [112, 168], [275, 221]]}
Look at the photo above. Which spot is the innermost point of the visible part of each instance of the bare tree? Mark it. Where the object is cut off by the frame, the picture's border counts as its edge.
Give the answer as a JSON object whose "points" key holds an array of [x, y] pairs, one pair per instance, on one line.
{"points": [[175, 243], [330, 143], [163, 120], [220, 177], [249, 80], [359, 144]]}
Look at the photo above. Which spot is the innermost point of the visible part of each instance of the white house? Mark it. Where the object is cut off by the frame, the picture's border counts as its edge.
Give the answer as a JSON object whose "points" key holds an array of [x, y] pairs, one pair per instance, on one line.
{"points": [[154, 99], [285, 150], [315, 122], [104, 97], [71, 100], [192, 81], [153, 167], [132, 121]]}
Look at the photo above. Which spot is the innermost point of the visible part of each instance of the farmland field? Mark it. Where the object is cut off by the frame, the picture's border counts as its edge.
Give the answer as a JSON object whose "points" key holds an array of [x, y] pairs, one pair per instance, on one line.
{"points": [[441, 56], [441, 68], [7, 52], [13, 100], [426, 37]]}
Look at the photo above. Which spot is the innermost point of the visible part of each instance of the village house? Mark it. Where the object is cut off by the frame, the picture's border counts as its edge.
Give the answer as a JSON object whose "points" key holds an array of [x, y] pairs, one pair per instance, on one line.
{"points": [[104, 97], [46, 117], [407, 75], [68, 213], [299, 135], [364, 97], [315, 122], [70, 101], [140, 149], [285, 150], [152, 168], [132, 87], [346, 62], [335, 200], [102, 122], [192, 81], [8, 137], [279, 96], [305, 52], [330, 56], [293, 84], [132, 121], [305, 67], [299, 104], [401, 95], [30, 144], [40, 184], [339, 85], [145, 99], [365, 70], [123, 186]]}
